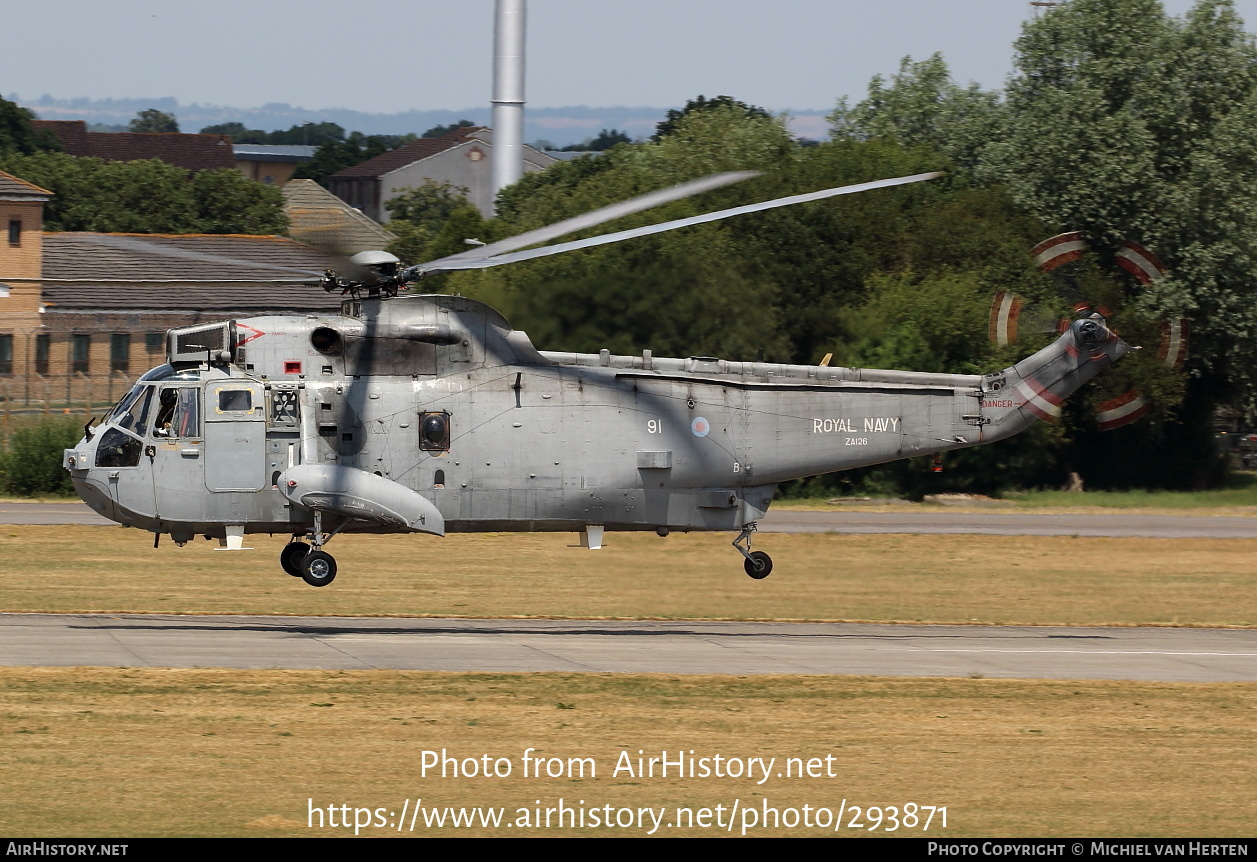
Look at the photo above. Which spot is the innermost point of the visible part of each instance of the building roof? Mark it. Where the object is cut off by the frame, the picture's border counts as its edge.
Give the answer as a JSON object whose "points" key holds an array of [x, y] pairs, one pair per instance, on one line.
{"points": [[273, 152], [192, 152], [11, 186], [200, 272], [319, 218], [415, 151]]}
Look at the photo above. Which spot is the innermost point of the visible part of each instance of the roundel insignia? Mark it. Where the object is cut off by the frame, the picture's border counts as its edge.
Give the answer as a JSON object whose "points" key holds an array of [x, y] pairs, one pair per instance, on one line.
{"points": [[700, 426]]}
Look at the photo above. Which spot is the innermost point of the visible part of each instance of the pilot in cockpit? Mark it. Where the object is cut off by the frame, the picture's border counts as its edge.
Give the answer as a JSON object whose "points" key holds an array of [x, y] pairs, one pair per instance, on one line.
{"points": [[166, 414]]}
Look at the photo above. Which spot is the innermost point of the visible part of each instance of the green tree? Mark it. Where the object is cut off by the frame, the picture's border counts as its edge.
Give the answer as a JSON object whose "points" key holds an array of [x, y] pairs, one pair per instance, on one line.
{"points": [[336, 155], [671, 121], [237, 132], [1129, 124], [32, 463], [416, 216], [227, 202], [147, 196], [923, 106], [308, 134], [18, 135], [605, 140], [438, 131], [153, 120]]}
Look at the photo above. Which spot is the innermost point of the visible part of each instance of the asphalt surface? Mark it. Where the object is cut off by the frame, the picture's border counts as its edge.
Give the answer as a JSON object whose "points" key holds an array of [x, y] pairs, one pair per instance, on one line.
{"points": [[1162, 654], [993, 523], [349, 643]]}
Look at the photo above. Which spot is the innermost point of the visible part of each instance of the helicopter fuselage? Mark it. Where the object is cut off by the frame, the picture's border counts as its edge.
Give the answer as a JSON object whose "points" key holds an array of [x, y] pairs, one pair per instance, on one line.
{"points": [[430, 414]]}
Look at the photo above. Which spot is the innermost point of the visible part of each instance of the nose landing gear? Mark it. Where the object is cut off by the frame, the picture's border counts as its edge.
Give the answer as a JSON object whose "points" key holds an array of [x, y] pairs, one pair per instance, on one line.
{"points": [[758, 564]]}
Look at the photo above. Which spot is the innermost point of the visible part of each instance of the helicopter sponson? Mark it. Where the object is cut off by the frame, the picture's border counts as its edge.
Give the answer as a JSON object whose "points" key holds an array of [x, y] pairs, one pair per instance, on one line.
{"points": [[429, 413]]}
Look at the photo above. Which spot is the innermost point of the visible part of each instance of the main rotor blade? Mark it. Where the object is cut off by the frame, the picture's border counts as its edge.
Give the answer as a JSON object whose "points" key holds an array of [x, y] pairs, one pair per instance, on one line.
{"points": [[595, 217], [156, 248], [484, 263]]}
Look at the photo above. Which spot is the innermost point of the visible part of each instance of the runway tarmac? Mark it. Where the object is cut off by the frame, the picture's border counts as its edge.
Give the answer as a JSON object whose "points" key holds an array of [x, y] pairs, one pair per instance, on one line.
{"points": [[121, 640], [1163, 654], [994, 523]]}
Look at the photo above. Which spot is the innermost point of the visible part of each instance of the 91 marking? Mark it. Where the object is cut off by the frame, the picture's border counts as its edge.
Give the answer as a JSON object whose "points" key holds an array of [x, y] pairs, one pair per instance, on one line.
{"points": [[654, 426]]}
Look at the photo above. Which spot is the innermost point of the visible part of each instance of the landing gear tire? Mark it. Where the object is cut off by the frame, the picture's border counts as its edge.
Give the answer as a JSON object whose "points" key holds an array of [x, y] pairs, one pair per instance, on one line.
{"points": [[758, 565], [291, 556], [318, 568]]}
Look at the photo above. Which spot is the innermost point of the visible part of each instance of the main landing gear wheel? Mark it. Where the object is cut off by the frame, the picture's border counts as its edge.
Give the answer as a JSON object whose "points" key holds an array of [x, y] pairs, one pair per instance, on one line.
{"points": [[291, 556], [318, 568], [758, 565]]}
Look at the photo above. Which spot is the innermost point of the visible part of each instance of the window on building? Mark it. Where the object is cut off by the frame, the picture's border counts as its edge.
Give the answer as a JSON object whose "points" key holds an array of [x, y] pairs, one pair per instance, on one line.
{"points": [[15, 231], [6, 354], [43, 345], [154, 342], [120, 352], [80, 353]]}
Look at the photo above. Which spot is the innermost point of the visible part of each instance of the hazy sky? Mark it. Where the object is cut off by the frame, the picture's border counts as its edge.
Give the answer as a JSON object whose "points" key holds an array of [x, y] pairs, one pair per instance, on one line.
{"points": [[389, 55]]}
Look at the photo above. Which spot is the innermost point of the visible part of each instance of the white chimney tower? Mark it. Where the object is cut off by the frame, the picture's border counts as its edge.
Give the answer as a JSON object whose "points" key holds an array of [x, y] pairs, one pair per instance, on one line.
{"points": [[508, 93]]}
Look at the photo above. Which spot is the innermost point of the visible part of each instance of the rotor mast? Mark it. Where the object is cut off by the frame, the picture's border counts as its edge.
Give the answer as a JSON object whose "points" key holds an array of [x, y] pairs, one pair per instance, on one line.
{"points": [[508, 93]]}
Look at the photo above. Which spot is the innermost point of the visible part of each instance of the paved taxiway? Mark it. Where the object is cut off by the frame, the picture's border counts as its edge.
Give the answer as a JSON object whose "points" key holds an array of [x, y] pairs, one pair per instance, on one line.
{"points": [[123, 640], [1164, 654], [993, 523]]}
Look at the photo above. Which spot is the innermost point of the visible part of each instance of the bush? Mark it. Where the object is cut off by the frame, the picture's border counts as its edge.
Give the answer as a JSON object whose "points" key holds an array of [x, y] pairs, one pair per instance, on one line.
{"points": [[32, 463]]}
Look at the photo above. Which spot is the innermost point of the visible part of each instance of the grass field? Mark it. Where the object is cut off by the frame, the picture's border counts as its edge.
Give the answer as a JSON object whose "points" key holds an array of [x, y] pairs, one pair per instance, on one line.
{"points": [[946, 579], [102, 752], [98, 752]]}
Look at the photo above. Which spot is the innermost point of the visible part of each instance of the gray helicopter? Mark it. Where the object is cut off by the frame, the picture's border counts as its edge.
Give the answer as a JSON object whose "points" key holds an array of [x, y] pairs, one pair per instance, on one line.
{"points": [[428, 413]]}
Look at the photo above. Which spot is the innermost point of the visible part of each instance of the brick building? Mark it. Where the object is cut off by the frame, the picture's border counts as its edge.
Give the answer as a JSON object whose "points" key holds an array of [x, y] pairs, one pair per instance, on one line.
{"points": [[191, 152], [83, 314]]}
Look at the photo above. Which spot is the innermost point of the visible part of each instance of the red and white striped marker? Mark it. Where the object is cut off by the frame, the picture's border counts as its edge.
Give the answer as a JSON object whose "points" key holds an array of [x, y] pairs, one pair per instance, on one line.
{"points": [[1039, 400], [1005, 309], [1174, 341], [1062, 248], [1121, 410], [1139, 262]]}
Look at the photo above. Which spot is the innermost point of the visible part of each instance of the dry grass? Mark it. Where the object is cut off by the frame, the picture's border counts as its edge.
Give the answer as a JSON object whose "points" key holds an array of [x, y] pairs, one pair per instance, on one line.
{"points": [[946, 579], [105, 752]]}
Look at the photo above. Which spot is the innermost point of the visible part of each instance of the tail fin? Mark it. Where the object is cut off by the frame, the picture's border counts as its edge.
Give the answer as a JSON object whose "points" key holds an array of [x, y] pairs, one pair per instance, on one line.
{"points": [[1034, 388]]}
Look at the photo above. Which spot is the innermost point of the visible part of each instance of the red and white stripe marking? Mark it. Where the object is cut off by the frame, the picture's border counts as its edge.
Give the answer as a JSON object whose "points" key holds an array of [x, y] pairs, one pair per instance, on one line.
{"points": [[1005, 309], [1039, 400], [1174, 341], [1121, 410], [1062, 248], [1139, 262]]}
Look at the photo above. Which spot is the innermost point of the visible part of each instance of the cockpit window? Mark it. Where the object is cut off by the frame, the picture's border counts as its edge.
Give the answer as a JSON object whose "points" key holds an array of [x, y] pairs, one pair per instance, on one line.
{"points": [[132, 412], [179, 413], [124, 403], [118, 449]]}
